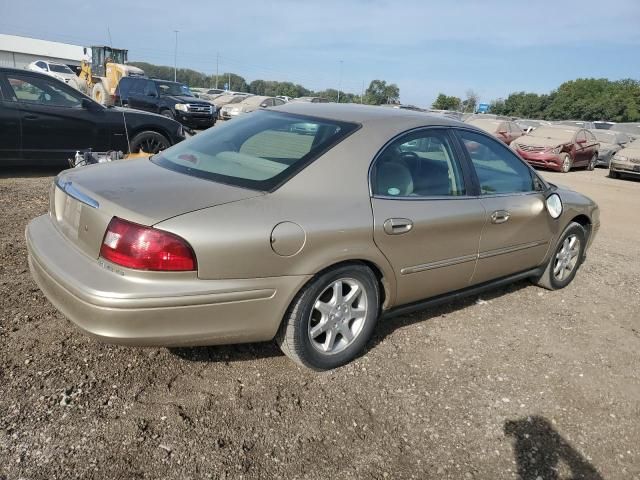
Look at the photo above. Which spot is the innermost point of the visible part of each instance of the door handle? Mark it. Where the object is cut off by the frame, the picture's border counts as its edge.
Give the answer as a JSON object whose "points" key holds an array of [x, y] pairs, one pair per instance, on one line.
{"points": [[500, 216], [396, 226], [31, 117]]}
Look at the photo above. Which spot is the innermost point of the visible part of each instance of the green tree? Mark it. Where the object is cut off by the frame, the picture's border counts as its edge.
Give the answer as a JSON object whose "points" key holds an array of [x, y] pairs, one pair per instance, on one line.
{"points": [[380, 92], [445, 102]]}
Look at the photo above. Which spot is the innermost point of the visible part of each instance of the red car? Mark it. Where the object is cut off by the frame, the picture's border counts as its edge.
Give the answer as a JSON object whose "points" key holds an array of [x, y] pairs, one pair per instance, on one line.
{"points": [[559, 147]]}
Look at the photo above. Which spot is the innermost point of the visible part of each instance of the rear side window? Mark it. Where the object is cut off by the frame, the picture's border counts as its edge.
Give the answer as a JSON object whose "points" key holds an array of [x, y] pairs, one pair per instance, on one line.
{"points": [[137, 87], [419, 164], [258, 151], [498, 170]]}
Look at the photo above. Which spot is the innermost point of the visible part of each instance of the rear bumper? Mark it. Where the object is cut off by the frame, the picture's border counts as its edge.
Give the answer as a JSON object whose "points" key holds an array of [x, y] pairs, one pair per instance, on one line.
{"points": [[542, 160], [153, 311]]}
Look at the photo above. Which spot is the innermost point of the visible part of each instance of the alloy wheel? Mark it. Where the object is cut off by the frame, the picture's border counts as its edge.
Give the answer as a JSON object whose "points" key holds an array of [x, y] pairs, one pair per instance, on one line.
{"points": [[566, 258], [566, 164], [338, 316]]}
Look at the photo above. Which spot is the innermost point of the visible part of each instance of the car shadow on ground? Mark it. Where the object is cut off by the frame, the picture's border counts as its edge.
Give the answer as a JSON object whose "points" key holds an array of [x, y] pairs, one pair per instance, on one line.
{"points": [[228, 353], [32, 172], [542, 453], [385, 327]]}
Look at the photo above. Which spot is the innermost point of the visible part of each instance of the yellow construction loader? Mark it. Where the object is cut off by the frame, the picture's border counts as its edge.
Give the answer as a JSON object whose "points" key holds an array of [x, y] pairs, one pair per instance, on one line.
{"points": [[102, 70]]}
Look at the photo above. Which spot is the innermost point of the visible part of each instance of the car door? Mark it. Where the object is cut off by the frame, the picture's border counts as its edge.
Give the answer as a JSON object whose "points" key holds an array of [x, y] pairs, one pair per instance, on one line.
{"points": [[10, 128], [139, 95], [517, 228], [592, 145], [427, 220], [55, 123], [582, 149]]}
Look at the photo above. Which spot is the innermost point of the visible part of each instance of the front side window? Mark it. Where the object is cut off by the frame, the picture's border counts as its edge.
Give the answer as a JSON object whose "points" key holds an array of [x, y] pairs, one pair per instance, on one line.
{"points": [[258, 151], [498, 170], [419, 164], [40, 91]]}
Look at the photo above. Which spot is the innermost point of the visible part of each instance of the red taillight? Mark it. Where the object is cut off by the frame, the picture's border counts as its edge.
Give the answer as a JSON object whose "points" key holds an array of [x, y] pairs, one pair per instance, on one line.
{"points": [[145, 248]]}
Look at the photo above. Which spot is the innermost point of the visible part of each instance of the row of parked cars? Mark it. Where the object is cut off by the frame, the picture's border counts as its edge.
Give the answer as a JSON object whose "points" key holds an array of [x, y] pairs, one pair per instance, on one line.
{"points": [[566, 144]]}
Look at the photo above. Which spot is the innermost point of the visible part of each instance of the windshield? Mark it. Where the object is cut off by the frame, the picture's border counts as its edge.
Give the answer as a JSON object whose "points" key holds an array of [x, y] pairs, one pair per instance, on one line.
{"points": [[555, 133], [54, 67], [258, 151], [171, 88]]}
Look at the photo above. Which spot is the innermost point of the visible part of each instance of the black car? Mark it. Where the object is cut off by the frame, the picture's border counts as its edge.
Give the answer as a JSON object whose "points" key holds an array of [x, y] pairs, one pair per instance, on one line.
{"points": [[171, 99], [43, 120]]}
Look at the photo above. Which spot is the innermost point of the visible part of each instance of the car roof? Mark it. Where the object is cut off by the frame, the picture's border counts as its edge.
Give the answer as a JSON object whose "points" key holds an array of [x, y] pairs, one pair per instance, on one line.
{"points": [[355, 113]]}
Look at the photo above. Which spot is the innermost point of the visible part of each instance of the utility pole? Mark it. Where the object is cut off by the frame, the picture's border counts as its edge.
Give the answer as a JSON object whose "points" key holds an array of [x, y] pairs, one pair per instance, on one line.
{"points": [[340, 81], [217, 62], [362, 94], [175, 59], [229, 84]]}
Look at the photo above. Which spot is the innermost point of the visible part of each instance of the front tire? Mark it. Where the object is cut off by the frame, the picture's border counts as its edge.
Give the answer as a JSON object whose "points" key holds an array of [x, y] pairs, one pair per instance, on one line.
{"points": [[99, 94], [566, 164], [566, 259], [331, 319], [149, 142], [613, 174]]}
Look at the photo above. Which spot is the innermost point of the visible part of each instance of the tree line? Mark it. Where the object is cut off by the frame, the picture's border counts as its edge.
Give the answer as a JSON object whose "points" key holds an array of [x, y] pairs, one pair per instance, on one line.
{"points": [[587, 99], [378, 92]]}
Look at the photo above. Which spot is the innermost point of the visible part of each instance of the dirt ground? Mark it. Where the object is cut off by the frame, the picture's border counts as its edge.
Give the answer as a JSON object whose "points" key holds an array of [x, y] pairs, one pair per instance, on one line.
{"points": [[521, 383]]}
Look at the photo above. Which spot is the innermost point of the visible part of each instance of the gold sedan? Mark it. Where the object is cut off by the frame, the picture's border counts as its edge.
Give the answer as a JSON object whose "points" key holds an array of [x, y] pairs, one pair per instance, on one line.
{"points": [[305, 223]]}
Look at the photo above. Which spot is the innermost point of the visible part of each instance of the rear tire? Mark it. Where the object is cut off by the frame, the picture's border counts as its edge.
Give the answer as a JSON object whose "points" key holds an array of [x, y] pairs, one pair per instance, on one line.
{"points": [[566, 164], [326, 326], [592, 163], [565, 260], [149, 142], [613, 174]]}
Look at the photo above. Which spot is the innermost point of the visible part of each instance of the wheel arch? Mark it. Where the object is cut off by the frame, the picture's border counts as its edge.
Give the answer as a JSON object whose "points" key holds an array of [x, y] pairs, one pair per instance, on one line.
{"points": [[584, 221]]}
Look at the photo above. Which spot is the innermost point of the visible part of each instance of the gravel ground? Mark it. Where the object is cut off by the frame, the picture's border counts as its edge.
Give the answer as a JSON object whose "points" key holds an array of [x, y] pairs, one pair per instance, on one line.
{"points": [[521, 383]]}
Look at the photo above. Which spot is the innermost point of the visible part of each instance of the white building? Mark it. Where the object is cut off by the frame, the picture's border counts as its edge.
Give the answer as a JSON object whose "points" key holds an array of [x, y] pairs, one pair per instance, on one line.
{"points": [[18, 52]]}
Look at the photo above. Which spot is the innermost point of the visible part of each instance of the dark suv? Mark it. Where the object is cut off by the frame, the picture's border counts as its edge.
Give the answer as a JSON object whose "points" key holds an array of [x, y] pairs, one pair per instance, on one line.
{"points": [[171, 99]]}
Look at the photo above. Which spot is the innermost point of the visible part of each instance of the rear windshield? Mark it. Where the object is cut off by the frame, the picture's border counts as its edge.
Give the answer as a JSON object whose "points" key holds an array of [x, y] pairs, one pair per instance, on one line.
{"points": [[260, 151]]}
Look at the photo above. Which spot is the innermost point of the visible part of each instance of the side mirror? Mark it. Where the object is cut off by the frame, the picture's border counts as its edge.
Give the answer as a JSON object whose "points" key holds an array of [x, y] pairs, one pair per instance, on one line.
{"points": [[502, 132], [90, 105], [152, 94], [263, 105], [581, 141]]}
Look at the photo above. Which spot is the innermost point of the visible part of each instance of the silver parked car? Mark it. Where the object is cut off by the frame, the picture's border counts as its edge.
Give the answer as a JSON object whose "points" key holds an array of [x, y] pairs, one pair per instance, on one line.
{"points": [[610, 143]]}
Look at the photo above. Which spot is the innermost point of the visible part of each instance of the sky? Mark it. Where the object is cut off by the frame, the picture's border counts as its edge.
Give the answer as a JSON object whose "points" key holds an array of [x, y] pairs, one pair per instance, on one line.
{"points": [[493, 47]]}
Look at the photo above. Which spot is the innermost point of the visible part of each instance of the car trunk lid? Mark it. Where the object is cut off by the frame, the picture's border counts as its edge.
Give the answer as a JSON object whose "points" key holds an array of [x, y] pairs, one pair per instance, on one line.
{"points": [[84, 200]]}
